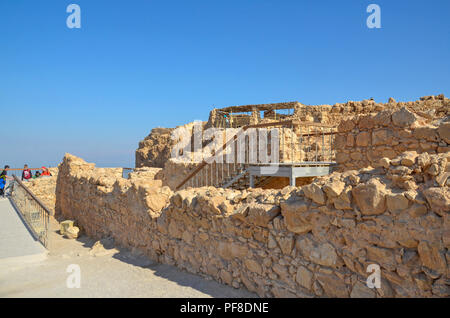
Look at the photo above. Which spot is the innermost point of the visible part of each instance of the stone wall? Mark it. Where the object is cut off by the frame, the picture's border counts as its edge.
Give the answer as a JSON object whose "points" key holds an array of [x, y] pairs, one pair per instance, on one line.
{"points": [[428, 106], [431, 107], [144, 172], [155, 149], [356, 117], [174, 172], [363, 141], [312, 241], [44, 188]]}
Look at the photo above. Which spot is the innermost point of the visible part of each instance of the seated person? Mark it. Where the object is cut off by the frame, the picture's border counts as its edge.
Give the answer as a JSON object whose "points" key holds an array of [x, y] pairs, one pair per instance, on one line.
{"points": [[45, 172]]}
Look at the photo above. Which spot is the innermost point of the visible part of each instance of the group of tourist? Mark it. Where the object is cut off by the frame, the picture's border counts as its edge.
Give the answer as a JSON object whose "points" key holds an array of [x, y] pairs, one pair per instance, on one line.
{"points": [[27, 175]]}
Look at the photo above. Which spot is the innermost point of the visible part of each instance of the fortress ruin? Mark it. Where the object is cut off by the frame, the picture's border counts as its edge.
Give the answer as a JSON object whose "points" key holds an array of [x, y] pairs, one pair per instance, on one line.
{"points": [[383, 200]]}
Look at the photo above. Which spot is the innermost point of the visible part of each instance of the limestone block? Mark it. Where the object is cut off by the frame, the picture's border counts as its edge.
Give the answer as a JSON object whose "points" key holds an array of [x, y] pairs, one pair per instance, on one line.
{"points": [[314, 192], [444, 131], [370, 197], [403, 118], [64, 225], [438, 199]]}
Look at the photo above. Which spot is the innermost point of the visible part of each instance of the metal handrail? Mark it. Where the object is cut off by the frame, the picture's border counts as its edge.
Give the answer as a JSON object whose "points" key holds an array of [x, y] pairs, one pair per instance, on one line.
{"points": [[225, 146], [35, 198], [20, 169], [29, 208]]}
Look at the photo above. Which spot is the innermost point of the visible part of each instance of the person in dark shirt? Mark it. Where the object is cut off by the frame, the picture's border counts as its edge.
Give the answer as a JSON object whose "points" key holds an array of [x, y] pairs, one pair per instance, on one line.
{"points": [[26, 174], [3, 178]]}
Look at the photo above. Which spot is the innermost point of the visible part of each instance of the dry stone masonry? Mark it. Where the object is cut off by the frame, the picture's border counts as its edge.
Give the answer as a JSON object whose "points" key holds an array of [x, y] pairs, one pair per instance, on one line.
{"points": [[363, 141], [311, 241], [44, 188], [387, 203]]}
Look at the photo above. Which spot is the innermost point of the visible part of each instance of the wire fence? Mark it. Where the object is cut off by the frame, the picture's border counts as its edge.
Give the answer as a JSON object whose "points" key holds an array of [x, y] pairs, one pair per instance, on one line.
{"points": [[35, 213]]}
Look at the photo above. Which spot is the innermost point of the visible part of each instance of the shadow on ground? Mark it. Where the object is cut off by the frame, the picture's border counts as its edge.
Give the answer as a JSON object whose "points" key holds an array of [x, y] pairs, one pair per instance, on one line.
{"points": [[169, 272]]}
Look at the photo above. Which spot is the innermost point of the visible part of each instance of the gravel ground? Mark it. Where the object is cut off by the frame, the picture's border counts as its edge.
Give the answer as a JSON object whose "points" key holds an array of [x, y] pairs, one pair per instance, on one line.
{"points": [[113, 274]]}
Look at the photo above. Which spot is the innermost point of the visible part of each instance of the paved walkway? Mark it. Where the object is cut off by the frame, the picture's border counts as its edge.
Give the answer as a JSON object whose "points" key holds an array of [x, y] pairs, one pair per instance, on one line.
{"points": [[112, 273], [17, 245]]}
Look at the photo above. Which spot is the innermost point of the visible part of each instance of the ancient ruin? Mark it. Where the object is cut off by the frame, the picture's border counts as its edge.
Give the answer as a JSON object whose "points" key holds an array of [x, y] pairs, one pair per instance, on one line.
{"points": [[364, 183]]}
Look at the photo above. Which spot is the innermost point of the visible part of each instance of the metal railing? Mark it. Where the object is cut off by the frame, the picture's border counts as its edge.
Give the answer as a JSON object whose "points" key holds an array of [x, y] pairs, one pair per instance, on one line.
{"points": [[18, 172], [298, 144], [34, 212]]}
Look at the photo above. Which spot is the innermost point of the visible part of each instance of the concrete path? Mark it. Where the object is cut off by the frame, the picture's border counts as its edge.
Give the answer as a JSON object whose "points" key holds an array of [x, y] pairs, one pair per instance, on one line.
{"points": [[111, 273], [17, 245]]}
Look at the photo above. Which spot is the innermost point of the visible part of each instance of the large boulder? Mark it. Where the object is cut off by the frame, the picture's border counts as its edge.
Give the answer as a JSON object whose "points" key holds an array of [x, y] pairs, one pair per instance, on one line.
{"points": [[261, 214], [68, 230], [438, 199], [314, 192], [396, 202], [253, 266], [72, 233], [403, 118], [294, 218], [304, 277], [333, 285], [370, 197], [64, 225], [444, 131], [344, 200], [334, 189], [431, 257], [320, 253], [362, 291], [363, 139], [228, 251], [408, 158]]}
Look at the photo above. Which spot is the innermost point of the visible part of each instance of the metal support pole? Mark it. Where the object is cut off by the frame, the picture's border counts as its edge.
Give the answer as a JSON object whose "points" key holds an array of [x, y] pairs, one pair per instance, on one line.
{"points": [[316, 131], [292, 181], [283, 141], [323, 145], [292, 143]]}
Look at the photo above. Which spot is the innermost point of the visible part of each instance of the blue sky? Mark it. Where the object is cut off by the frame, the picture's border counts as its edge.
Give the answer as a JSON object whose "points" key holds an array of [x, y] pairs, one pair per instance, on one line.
{"points": [[139, 64]]}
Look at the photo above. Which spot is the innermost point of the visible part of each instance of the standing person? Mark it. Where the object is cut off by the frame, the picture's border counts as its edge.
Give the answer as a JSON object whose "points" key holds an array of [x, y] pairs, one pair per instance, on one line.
{"points": [[26, 174], [3, 178]]}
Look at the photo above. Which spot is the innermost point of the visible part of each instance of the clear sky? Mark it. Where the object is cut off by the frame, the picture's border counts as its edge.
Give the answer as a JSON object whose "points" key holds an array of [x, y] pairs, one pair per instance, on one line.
{"points": [[134, 65]]}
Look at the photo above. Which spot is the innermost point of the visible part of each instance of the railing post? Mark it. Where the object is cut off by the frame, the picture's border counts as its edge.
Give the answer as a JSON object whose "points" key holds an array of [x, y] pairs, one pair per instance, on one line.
{"points": [[292, 143], [323, 145]]}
